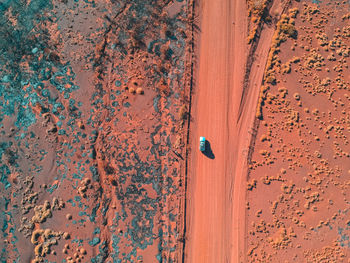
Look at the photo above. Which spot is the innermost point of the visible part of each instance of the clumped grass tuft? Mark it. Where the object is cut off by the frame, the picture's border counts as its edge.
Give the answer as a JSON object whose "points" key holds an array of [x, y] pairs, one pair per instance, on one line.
{"points": [[183, 113], [139, 91]]}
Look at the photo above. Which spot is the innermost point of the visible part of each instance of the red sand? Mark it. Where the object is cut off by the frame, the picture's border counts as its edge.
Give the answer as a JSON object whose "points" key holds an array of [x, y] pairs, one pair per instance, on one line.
{"points": [[118, 192], [101, 180], [224, 111], [298, 197], [218, 90]]}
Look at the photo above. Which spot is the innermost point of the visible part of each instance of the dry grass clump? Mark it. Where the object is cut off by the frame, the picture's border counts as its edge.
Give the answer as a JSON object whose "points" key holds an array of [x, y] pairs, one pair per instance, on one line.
{"points": [[346, 31], [264, 138], [296, 96], [262, 98], [289, 30], [163, 87], [69, 216], [251, 185], [286, 68], [295, 60], [42, 212], [132, 90], [283, 92], [271, 79], [347, 16], [139, 91], [183, 112]]}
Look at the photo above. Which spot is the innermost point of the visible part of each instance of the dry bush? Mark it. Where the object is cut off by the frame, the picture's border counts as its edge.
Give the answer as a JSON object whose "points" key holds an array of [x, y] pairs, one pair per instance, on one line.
{"points": [[286, 68], [271, 79], [139, 91], [289, 30], [163, 87], [251, 185], [183, 112], [258, 6]]}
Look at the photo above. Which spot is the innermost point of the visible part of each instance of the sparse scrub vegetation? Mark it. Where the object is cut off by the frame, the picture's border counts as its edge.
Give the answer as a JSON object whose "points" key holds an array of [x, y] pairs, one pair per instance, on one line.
{"points": [[285, 29], [257, 11], [302, 138]]}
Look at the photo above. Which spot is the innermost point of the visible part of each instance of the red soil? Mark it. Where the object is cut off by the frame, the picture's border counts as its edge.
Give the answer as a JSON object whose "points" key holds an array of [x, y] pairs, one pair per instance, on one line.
{"points": [[218, 91], [101, 180], [298, 197], [224, 111], [101, 175]]}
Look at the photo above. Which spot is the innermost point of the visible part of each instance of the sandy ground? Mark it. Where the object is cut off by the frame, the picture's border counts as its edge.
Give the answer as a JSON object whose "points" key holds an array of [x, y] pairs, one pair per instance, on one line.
{"points": [[218, 89], [94, 101], [93, 109], [298, 195], [226, 93]]}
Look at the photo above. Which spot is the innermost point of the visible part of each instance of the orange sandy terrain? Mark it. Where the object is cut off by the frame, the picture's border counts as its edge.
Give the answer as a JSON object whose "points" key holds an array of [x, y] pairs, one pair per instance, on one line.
{"points": [[216, 93], [102, 104], [298, 197], [93, 103], [224, 106], [267, 190]]}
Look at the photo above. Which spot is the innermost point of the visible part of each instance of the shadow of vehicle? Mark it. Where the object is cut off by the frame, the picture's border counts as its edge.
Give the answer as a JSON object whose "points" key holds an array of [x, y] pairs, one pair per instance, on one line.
{"points": [[208, 151]]}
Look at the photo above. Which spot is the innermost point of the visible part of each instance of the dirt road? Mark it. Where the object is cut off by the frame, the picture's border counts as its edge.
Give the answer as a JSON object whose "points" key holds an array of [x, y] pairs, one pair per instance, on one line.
{"points": [[225, 115], [220, 71]]}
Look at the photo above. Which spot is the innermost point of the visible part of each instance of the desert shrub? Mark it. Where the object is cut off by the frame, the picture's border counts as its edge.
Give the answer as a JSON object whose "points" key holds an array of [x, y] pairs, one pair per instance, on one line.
{"points": [[271, 79], [268, 19], [139, 91], [258, 6], [289, 30], [286, 68], [109, 170], [164, 88], [183, 112]]}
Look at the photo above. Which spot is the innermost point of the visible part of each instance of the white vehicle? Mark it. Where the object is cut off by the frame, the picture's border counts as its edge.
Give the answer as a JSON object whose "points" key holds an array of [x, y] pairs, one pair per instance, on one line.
{"points": [[202, 144]]}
